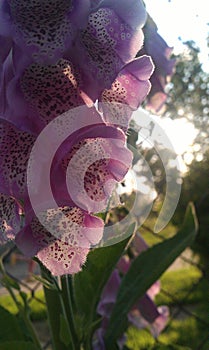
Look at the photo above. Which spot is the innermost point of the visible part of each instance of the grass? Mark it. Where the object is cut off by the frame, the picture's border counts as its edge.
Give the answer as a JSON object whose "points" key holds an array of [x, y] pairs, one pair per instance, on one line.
{"points": [[183, 287], [179, 283], [151, 238], [37, 307], [186, 331], [186, 287]]}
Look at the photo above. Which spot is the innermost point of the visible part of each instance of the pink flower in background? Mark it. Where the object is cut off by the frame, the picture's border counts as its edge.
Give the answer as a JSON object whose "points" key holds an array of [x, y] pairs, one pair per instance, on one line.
{"points": [[156, 47], [144, 314]]}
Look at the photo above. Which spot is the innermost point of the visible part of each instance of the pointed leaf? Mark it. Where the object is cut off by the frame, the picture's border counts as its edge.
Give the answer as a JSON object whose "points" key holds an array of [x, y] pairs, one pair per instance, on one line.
{"points": [[144, 271], [89, 283], [64, 331], [45, 282], [9, 326]]}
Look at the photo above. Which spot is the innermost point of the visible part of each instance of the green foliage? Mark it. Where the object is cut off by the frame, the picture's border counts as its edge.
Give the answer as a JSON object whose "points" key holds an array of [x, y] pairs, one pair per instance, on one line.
{"points": [[37, 305], [89, 283], [196, 188], [180, 291], [64, 332], [189, 89], [17, 345], [144, 271], [9, 326], [140, 340], [187, 332], [7, 302], [146, 231], [169, 347], [143, 340]]}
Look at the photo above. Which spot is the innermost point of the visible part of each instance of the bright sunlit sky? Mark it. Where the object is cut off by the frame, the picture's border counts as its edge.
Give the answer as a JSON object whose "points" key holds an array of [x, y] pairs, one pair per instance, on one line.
{"points": [[179, 21], [182, 19]]}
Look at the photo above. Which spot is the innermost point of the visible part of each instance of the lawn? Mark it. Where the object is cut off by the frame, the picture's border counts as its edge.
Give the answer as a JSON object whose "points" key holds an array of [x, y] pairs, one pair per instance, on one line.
{"points": [[185, 291]]}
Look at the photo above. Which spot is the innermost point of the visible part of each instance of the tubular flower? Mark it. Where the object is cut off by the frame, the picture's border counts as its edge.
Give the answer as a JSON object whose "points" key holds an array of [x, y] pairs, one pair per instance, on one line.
{"points": [[41, 29], [144, 314], [61, 157], [70, 226], [105, 42], [157, 48]]}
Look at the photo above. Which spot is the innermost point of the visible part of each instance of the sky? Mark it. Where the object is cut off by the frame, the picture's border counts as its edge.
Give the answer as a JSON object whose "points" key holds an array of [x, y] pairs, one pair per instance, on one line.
{"points": [[182, 19], [179, 21]]}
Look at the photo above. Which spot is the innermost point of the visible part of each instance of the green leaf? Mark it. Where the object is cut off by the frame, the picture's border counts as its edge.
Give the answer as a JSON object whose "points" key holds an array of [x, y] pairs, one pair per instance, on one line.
{"points": [[144, 271], [17, 345], [45, 282], [88, 284], [9, 326], [64, 331]]}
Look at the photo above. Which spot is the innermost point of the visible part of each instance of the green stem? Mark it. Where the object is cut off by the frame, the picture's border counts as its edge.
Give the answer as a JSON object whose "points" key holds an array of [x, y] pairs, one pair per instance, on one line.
{"points": [[54, 310], [67, 297], [30, 328]]}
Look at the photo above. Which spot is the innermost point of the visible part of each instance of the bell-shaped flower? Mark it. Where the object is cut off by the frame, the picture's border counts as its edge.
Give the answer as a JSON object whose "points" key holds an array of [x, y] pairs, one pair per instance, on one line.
{"points": [[110, 40], [144, 314], [58, 214], [157, 48], [62, 239], [127, 92], [42, 29]]}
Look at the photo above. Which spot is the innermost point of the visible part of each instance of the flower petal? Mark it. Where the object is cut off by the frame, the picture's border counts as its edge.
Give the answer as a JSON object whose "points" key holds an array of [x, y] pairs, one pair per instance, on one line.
{"points": [[132, 12], [13, 106], [105, 46], [127, 92], [147, 309], [5, 44], [160, 322], [36, 94], [109, 295], [15, 150], [61, 259], [63, 243], [41, 28], [52, 90], [5, 27], [92, 167], [156, 47]]}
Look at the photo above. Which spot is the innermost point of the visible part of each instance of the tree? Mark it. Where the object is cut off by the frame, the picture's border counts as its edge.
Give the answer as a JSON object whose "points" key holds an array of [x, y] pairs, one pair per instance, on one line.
{"points": [[188, 93]]}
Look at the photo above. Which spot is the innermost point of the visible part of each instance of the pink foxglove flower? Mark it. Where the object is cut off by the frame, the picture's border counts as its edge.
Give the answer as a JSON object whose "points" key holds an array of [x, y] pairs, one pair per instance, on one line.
{"points": [[144, 314], [76, 229], [57, 59], [157, 48]]}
